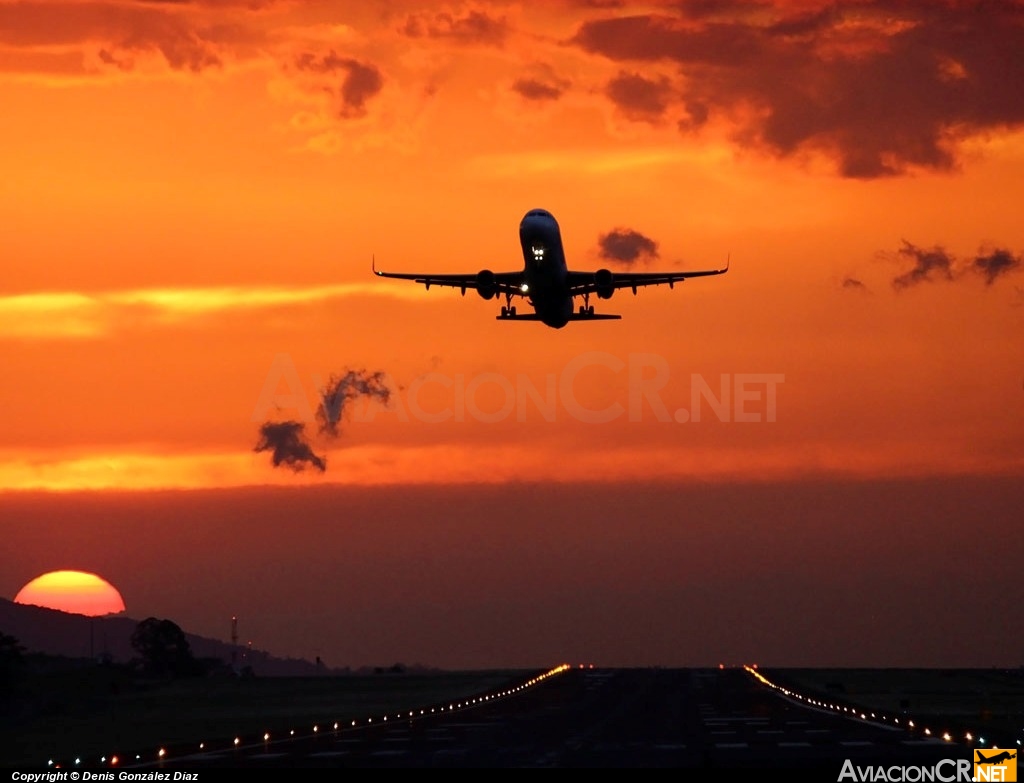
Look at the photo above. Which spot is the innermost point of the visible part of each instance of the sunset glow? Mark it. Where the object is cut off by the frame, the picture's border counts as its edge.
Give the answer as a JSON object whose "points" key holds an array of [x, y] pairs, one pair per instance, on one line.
{"points": [[207, 184], [77, 592], [196, 196]]}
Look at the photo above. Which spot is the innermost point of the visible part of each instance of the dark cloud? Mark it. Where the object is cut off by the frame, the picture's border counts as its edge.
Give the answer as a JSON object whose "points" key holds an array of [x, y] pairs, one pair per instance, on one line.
{"points": [[638, 97], [881, 86], [473, 27], [345, 388], [184, 51], [854, 284], [807, 24], [696, 115], [118, 32], [287, 442], [110, 58], [626, 246], [537, 90], [937, 264], [542, 84], [928, 265], [359, 81], [998, 262]]}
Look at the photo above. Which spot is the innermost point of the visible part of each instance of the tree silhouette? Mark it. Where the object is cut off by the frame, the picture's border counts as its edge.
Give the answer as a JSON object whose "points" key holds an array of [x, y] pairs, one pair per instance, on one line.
{"points": [[11, 659], [162, 648]]}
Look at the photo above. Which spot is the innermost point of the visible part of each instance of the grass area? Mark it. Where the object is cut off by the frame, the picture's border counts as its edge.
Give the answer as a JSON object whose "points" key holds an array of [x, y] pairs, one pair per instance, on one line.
{"points": [[95, 711], [983, 701]]}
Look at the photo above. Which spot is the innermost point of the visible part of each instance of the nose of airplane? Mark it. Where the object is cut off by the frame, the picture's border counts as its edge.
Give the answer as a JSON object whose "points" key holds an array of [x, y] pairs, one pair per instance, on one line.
{"points": [[533, 215]]}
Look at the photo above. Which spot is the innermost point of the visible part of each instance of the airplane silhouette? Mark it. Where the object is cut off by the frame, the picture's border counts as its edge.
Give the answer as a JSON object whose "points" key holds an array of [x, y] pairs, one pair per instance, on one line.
{"points": [[1003, 756], [545, 281]]}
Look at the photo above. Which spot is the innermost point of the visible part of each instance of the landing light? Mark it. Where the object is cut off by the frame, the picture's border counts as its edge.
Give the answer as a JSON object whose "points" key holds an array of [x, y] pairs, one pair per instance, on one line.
{"points": [[524, 288]]}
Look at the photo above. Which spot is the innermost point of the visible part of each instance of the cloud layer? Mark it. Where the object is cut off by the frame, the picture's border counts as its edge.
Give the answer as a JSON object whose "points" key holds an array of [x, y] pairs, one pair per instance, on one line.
{"points": [[72, 315], [880, 86], [935, 264], [626, 246]]}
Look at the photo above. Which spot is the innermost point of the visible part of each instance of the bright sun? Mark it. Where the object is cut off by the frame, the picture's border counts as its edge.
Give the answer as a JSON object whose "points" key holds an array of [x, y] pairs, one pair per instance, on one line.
{"points": [[77, 592]]}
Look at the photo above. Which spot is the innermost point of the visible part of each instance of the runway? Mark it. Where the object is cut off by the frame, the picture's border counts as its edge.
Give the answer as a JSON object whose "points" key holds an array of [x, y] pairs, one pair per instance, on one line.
{"points": [[619, 718]]}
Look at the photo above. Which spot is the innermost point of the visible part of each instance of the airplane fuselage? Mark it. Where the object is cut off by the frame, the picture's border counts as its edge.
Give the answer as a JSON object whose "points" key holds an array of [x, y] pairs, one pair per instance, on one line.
{"points": [[545, 280], [545, 268]]}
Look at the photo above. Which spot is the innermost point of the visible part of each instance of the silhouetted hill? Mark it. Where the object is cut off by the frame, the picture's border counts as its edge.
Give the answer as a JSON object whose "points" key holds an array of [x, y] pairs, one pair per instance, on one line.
{"points": [[76, 636]]}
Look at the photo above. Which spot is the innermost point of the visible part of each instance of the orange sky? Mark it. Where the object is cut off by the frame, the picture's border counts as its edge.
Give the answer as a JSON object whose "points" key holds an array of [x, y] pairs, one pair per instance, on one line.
{"points": [[209, 200], [192, 193]]}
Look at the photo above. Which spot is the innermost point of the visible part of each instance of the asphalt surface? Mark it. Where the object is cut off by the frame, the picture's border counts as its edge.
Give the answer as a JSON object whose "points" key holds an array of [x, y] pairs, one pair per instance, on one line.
{"points": [[616, 718]]}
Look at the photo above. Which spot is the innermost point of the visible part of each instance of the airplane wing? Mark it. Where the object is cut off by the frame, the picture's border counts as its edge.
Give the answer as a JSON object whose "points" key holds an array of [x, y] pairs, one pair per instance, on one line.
{"points": [[606, 281], [510, 283]]}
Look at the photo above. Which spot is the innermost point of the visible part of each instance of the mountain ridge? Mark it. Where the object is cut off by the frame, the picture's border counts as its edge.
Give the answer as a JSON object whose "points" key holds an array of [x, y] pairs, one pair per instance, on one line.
{"points": [[54, 632]]}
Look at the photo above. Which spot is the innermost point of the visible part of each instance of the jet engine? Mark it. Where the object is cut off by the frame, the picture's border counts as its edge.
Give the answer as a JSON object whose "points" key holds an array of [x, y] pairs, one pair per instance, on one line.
{"points": [[486, 285], [604, 284]]}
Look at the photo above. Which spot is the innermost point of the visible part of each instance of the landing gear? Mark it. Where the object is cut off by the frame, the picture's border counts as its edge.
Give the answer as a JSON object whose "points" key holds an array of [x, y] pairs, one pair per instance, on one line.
{"points": [[586, 308], [508, 310]]}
